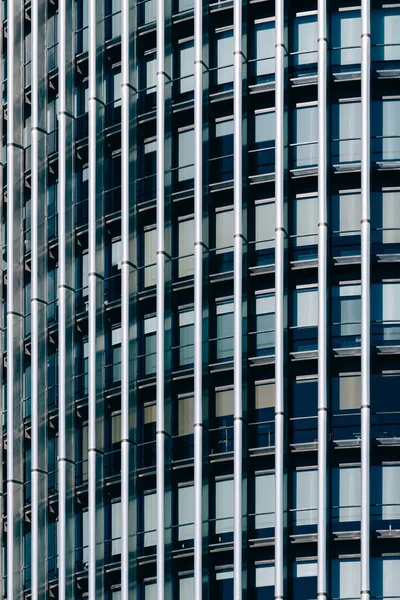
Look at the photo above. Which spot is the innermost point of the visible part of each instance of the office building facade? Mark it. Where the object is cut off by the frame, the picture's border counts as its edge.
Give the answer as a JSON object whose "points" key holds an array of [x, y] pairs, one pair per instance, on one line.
{"points": [[200, 325]]}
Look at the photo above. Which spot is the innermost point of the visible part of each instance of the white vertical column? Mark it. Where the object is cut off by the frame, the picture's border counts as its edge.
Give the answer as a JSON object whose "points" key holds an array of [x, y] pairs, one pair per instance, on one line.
{"points": [[322, 300], [96, 301], [160, 317], [66, 299], [239, 240], [280, 243], [128, 312], [39, 464], [199, 249], [365, 293], [15, 279]]}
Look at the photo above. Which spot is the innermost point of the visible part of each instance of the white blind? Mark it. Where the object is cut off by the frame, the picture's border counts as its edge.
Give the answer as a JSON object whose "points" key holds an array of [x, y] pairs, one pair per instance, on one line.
{"points": [[224, 499], [186, 588], [346, 491], [265, 576], [265, 225], [265, 500], [186, 512], [306, 307], [150, 519], [305, 220], [346, 578], [306, 500]]}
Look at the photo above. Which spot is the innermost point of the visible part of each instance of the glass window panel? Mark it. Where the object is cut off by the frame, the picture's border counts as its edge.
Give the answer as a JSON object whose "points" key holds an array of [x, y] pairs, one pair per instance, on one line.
{"points": [[346, 36], [385, 492], [385, 577], [265, 395], [265, 576], [390, 216], [186, 588], [150, 248], [346, 213], [185, 5], [223, 403], [186, 513], [385, 34], [345, 578], [349, 392], [224, 499], [390, 110], [306, 136], [150, 591], [186, 155], [186, 58], [150, 519], [305, 37], [185, 416], [116, 528], [225, 57], [265, 129], [305, 569], [224, 231], [346, 131], [305, 220], [225, 330], [85, 537], [186, 236], [306, 497], [151, 73], [385, 301], [186, 337], [265, 48], [116, 428], [346, 493], [150, 414], [306, 307], [265, 225], [265, 500], [265, 321]]}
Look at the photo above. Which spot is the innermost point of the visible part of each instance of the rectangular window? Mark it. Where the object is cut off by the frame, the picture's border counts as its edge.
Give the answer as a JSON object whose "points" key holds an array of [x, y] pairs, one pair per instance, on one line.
{"points": [[346, 310], [346, 494], [186, 66], [346, 132], [385, 308], [186, 237], [224, 231], [224, 499], [385, 34], [346, 37], [385, 577], [305, 307], [150, 248], [265, 577], [345, 579], [150, 328], [186, 155], [223, 403], [346, 392], [346, 213], [385, 129], [265, 500], [150, 589], [305, 144], [263, 154], [186, 337], [222, 151], [385, 216], [305, 220], [264, 225], [185, 416], [186, 588], [186, 513], [116, 528], [385, 492], [224, 331], [150, 519], [264, 395], [265, 323], [305, 35], [264, 33], [305, 497], [224, 41], [150, 73]]}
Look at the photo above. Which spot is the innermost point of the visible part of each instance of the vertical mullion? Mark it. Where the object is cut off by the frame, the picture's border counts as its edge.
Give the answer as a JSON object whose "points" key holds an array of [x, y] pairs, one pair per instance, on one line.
{"points": [[322, 300], [280, 299], [365, 293], [2, 324], [239, 241], [39, 465], [128, 307], [66, 424], [96, 300], [15, 318]]}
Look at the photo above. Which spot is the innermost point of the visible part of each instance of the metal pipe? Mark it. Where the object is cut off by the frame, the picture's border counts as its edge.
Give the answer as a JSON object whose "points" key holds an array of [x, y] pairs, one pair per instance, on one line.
{"points": [[15, 318], [96, 302], [365, 294], [280, 236], [66, 306], [322, 300]]}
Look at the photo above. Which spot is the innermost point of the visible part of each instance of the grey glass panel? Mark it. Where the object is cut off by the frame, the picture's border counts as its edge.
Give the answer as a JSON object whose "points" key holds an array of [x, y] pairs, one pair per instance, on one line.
{"points": [[224, 499], [186, 247], [225, 331], [116, 528], [346, 493], [151, 73], [265, 129], [385, 34], [186, 59], [349, 392], [186, 338], [186, 155], [185, 416], [225, 57], [224, 231], [345, 578], [265, 395], [150, 591], [186, 513], [223, 403], [265, 576], [346, 132], [150, 10], [345, 37], [186, 588], [385, 215], [385, 577], [306, 136], [305, 307], [346, 308], [385, 492], [265, 48], [306, 497], [265, 500], [150, 519], [305, 36], [385, 129], [305, 221], [346, 213], [265, 225], [150, 246], [265, 321]]}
